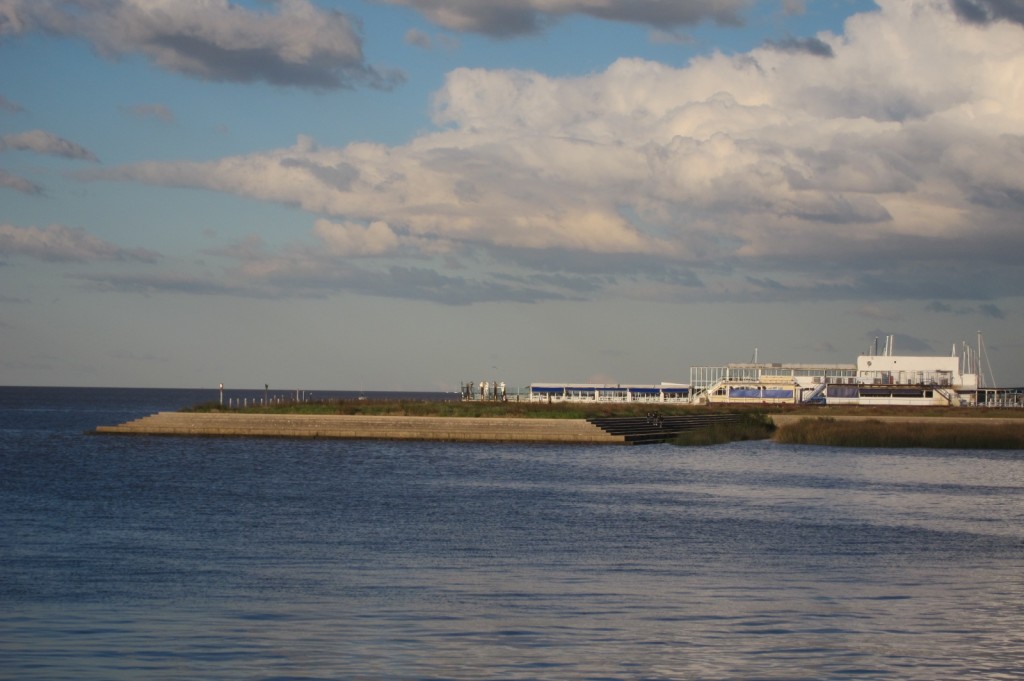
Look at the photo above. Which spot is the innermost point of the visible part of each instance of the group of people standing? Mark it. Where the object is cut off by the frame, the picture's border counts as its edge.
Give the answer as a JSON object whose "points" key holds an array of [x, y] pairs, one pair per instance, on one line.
{"points": [[488, 390]]}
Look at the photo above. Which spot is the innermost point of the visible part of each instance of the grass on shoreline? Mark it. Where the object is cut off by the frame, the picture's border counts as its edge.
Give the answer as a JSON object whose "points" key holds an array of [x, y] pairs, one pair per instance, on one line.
{"points": [[817, 429], [873, 433], [577, 410], [870, 433], [536, 410], [752, 426]]}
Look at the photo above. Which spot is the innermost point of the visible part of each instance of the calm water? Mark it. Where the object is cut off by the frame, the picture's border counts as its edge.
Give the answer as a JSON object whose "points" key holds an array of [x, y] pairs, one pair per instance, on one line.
{"points": [[170, 558]]}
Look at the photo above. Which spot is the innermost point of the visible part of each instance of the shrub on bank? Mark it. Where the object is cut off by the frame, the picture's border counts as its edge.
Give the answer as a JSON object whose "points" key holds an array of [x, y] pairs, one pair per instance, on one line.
{"points": [[751, 426]]}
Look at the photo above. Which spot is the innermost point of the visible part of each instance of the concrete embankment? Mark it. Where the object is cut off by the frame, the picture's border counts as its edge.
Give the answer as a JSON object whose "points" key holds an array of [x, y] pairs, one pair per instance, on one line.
{"points": [[366, 427]]}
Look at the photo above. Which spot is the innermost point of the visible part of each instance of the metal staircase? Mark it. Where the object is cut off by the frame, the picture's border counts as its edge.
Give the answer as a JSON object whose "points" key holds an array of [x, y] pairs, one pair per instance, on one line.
{"points": [[950, 396], [817, 394], [653, 429]]}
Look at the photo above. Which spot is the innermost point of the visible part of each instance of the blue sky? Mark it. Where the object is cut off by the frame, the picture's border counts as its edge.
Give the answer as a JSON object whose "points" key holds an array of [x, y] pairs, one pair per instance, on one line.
{"points": [[406, 194]]}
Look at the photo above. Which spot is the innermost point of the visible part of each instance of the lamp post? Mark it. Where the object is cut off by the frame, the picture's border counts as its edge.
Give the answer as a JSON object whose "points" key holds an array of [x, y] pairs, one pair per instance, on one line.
{"points": [[222, 394]]}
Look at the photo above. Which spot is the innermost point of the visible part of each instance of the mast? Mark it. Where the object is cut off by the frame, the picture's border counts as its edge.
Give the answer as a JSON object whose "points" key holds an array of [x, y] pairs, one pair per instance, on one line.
{"points": [[984, 355], [981, 379]]}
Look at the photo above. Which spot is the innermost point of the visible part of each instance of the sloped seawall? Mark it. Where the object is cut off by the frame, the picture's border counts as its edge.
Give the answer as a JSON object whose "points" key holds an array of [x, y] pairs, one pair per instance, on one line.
{"points": [[454, 429]]}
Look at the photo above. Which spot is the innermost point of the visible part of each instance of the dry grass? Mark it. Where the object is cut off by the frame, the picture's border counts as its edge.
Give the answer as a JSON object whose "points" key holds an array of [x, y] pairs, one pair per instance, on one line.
{"points": [[751, 427], [511, 409], [819, 428], [514, 409], [873, 433]]}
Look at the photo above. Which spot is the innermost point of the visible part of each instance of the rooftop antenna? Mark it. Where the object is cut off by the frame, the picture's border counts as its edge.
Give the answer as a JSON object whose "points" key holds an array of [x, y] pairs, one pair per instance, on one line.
{"points": [[875, 352]]}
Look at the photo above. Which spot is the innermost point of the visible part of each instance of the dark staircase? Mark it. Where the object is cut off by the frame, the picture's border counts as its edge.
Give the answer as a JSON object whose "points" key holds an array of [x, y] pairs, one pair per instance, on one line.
{"points": [[652, 429]]}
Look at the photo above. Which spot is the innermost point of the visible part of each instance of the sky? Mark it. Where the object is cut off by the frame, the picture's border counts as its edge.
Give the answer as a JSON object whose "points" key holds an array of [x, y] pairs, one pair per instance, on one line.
{"points": [[409, 194]]}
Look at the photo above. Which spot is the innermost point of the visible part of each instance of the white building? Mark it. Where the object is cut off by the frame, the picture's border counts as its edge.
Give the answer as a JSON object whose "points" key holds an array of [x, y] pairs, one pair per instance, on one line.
{"points": [[876, 379], [662, 393], [910, 380], [766, 383]]}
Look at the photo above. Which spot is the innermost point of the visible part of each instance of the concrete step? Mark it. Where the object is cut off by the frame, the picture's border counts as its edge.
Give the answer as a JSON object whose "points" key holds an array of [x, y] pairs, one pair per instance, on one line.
{"points": [[644, 430]]}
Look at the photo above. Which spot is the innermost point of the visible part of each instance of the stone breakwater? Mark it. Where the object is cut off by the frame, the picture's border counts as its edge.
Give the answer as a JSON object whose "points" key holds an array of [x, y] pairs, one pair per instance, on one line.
{"points": [[451, 429]]}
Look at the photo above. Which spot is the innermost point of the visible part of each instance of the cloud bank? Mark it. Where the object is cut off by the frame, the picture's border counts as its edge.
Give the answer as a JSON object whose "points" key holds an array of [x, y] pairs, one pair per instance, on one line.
{"points": [[882, 162], [505, 18], [58, 243], [42, 142], [297, 45], [20, 184], [985, 11]]}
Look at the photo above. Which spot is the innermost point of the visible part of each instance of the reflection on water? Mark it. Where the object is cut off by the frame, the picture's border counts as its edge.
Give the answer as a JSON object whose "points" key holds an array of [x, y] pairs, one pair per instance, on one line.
{"points": [[126, 558]]}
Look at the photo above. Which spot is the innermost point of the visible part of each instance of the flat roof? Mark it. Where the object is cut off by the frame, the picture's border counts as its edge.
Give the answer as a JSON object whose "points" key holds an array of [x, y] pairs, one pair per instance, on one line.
{"points": [[609, 386], [787, 365]]}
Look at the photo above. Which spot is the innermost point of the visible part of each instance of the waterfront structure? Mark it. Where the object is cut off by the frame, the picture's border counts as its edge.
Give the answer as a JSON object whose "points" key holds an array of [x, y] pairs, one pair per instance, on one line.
{"points": [[874, 380], [909, 380], [877, 378], [767, 382], [662, 393]]}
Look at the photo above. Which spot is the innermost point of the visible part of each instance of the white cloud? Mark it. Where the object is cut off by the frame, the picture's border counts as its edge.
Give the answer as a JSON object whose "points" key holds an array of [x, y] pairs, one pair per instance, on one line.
{"points": [[424, 41], [354, 239], [814, 177], [20, 184], [58, 243], [42, 142], [297, 45]]}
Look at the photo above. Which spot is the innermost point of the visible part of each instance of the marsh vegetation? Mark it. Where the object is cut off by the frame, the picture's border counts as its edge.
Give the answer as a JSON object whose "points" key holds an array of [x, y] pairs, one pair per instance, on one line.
{"points": [[874, 433]]}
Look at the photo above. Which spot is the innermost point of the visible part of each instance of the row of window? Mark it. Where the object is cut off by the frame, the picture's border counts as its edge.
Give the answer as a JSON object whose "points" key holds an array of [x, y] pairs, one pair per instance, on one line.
{"points": [[612, 395]]}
